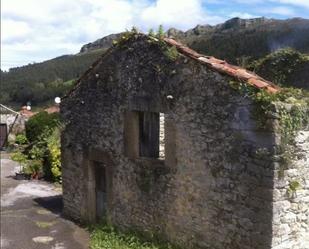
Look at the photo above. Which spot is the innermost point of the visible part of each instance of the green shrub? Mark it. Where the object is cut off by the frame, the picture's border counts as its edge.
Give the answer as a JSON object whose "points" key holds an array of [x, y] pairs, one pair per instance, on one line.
{"points": [[54, 155], [33, 167], [43, 131], [39, 123], [20, 158], [46, 149], [43, 154], [21, 139], [37, 152]]}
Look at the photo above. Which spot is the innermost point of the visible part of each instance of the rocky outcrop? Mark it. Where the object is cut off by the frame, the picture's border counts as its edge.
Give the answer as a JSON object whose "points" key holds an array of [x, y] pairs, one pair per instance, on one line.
{"points": [[103, 43]]}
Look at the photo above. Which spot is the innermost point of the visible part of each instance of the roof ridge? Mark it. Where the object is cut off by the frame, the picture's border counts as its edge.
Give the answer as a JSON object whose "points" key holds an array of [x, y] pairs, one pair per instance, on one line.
{"points": [[93, 65], [222, 66], [9, 109], [216, 64]]}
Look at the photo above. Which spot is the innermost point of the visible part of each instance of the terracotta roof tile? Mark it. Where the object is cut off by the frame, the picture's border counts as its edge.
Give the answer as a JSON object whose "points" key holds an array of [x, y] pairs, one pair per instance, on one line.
{"points": [[226, 68], [258, 83], [271, 89], [242, 73], [52, 109], [26, 112]]}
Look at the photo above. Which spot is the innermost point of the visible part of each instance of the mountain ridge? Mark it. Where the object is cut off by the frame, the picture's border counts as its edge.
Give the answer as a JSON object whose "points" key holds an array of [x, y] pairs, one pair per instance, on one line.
{"points": [[293, 32]]}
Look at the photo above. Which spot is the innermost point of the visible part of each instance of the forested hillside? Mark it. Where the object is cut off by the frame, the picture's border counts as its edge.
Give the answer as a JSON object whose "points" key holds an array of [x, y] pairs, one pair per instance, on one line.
{"points": [[41, 82], [240, 41]]}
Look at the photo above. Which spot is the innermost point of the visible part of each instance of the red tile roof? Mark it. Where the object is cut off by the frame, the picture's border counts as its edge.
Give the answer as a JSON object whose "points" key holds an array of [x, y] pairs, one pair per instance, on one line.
{"points": [[26, 112], [52, 109], [226, 68]]}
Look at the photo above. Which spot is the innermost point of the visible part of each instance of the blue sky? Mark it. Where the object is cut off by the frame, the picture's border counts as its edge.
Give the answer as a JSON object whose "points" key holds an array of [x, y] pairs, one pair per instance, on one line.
{"points": [[36, 30]]}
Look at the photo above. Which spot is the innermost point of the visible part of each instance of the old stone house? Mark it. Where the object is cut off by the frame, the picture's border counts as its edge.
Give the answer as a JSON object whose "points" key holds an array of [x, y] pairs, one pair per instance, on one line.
{"points": [[207, 177], [11, 123]]}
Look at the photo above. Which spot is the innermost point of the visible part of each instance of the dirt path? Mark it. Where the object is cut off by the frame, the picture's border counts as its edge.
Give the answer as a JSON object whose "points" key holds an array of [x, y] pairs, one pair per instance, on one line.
{"points": [[31, 214]]}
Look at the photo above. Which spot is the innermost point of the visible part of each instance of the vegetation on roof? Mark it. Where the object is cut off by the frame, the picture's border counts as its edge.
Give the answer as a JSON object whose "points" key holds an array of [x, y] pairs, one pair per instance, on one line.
{"points": [[153, 37]]}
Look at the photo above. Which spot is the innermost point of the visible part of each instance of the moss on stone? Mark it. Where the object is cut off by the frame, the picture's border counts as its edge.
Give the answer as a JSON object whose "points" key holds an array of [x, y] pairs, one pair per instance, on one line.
{"points": [[293, 187]]}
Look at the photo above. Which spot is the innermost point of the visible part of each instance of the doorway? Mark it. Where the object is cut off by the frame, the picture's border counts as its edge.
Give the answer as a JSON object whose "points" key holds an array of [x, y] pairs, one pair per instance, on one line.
{"points": [[3, 135], [100, 190], [99, 173]]}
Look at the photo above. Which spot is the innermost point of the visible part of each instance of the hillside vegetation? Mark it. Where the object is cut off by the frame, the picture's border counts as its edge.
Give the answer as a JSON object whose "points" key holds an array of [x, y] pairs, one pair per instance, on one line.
{"points": [[286, 67], [242, 40], [239, 41], [41, 82]]}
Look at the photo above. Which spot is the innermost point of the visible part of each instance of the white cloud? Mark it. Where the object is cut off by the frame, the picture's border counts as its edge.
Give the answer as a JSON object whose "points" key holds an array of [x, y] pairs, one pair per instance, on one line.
{"points": [[12, 29], [243, 15], [299, 3], [281, 10], [36, 30], [181, 14], [302, 3]]}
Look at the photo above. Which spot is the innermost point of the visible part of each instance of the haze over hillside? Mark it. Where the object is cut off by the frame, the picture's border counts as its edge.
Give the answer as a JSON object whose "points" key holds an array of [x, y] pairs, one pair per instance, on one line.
{"points": [[239, 41]]}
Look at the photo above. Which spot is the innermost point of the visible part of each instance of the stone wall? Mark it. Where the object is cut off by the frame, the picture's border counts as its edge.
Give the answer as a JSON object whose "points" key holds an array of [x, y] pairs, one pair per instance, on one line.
{"points": [[214, 189], [291, 198]]}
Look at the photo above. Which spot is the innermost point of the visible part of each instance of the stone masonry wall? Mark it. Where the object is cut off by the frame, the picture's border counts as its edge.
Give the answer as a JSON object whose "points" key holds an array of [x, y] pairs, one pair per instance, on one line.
{"points": [[291, 198], [214, 189]]}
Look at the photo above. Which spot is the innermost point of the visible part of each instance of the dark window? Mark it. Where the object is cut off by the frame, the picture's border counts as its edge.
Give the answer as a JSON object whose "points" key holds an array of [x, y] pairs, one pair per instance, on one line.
{"points": [[144, 134], [149, 134]]}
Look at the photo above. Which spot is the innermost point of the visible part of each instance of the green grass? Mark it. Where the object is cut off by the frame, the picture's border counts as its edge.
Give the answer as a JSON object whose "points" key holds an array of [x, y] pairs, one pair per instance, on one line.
{"points": [[106, 237]]}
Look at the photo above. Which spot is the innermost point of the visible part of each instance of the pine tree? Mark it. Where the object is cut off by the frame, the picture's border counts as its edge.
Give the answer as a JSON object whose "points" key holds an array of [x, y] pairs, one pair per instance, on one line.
{"points": [[160, 33]]}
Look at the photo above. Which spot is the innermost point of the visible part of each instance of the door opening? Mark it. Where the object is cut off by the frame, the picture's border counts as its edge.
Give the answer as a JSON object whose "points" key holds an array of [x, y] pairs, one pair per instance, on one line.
{"points": [[100, 191], [3, 135]]}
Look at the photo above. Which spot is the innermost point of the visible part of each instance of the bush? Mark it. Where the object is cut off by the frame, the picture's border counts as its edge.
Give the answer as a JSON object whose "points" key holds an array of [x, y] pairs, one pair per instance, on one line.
{"points": [[39, 123], [54, 155], [21, 139], [21, 158], [43, 153], [46, 149], [33, 167]]}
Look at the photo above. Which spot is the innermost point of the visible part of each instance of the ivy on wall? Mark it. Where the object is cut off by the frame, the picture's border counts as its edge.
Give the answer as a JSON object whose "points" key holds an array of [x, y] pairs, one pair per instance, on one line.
{"points": [[285, 113]]}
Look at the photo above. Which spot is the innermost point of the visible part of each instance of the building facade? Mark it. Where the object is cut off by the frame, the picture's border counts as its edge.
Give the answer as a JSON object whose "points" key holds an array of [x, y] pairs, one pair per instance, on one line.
{"points": [[206, 176]]}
